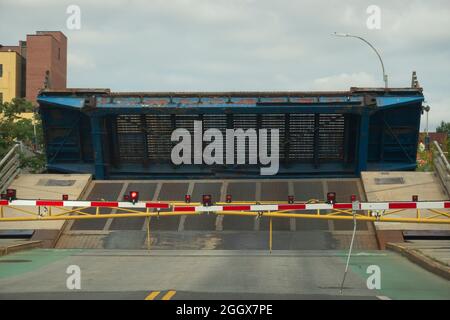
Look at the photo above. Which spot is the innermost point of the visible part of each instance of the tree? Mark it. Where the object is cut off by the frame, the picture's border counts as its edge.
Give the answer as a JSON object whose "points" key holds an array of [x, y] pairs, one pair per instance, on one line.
{"points": [[14, 129], [444, 127]]}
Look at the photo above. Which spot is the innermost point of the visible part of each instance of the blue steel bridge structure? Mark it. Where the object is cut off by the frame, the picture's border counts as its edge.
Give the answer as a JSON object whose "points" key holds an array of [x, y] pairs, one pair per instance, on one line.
{"points": [[123, 135]]}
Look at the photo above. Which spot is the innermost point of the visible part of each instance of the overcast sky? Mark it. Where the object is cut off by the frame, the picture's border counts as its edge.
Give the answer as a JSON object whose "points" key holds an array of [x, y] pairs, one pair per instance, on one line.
{"points": [[215, 45]]}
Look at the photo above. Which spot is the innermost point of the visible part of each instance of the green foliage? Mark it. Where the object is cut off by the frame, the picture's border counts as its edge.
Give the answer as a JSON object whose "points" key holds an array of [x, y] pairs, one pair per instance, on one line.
{"points": [[34, 164], [14, 129], [425, 161], [444, 127], [11, 110]]}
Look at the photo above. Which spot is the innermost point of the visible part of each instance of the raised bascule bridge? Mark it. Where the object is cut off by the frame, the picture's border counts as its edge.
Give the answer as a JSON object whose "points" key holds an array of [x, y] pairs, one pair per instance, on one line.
{"points": [[335, 148], [321, 134]]}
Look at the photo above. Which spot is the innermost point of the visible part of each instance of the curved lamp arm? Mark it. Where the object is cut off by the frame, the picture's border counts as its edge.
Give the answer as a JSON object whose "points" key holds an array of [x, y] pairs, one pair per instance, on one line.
{"points": [[385, 77]]}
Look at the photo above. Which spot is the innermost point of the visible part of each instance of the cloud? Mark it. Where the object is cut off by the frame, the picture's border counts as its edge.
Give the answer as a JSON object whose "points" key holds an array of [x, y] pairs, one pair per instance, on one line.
{"points": [[344, 81], [210, 45], [422, 22], [80, 61]]}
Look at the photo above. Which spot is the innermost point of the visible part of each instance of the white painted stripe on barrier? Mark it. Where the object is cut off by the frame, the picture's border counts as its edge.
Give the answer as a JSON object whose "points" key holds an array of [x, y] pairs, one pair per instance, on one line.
{"points": [[316, 206], [23, 203], [77, 203], [430, 205], [129, 205], [208, 209], [375, 206], [264, 207]]}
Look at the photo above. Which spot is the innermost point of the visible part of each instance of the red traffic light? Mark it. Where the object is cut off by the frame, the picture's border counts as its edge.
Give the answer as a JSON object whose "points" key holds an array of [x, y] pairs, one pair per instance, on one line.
{"points": [[331, 197], [11, 194], [65, 197], [228, 198], [187, 198], [415, 198], [290, 199], [207, 200], [134, 196], [352, 198]]}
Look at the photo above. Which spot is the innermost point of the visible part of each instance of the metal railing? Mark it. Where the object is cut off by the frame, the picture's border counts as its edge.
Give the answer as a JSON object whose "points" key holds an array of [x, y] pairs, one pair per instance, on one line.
{"points": [[9, 167], [442, 166]]}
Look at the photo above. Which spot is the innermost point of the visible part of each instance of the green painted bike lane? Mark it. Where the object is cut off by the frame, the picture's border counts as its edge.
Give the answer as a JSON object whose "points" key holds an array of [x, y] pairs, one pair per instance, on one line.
{"points": [[32, 260], [400, 278]]}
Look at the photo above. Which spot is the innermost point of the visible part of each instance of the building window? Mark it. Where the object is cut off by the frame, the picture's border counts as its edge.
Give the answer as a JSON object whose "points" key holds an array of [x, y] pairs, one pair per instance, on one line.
{"points": [[1, 70], [59, 53]]}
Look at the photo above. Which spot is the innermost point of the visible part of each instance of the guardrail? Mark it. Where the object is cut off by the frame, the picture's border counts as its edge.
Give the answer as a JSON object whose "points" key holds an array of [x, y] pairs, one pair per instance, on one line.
{"points": [[442, 166], [9, 167]]}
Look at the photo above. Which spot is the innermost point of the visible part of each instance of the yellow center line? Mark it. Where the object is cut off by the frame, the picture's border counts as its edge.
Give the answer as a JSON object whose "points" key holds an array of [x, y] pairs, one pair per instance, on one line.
{"points": [[152, 295], [169, 295]]}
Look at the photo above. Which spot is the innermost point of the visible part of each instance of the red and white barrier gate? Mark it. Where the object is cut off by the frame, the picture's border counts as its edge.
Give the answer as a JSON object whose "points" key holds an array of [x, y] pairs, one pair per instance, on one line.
{"points": [[368, 211]]}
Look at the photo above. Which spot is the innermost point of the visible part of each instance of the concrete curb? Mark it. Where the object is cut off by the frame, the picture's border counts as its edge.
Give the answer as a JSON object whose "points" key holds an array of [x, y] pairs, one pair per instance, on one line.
{"points": [[20, 247], [420, 259]]}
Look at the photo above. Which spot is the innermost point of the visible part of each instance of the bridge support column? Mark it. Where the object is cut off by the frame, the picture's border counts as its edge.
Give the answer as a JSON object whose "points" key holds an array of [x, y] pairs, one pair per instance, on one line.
{"points": [[97, 142], [363, 142]]}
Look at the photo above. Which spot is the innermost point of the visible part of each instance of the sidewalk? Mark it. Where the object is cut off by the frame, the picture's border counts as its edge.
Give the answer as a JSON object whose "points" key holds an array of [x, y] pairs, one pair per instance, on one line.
{"points": [[401, 186], [432, 255], [44, 186]]}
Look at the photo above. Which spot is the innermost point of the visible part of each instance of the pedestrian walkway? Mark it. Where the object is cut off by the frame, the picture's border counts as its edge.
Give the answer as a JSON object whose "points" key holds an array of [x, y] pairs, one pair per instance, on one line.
{"points": [[401, 186], [44, 186]]}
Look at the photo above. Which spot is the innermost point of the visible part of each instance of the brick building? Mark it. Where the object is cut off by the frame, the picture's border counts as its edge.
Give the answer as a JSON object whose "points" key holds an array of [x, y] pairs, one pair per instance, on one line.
{"points": [[10, 75], [43, 62]]}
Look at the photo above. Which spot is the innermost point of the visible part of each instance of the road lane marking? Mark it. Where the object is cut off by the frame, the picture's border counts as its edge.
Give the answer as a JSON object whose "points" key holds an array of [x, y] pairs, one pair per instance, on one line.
{"points": [[383, 298], [169, 295], [152, 295]]}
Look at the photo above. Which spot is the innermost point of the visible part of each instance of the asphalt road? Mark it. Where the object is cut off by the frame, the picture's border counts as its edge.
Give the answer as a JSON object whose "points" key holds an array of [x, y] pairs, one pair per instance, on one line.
{"points": [[212, 274]]}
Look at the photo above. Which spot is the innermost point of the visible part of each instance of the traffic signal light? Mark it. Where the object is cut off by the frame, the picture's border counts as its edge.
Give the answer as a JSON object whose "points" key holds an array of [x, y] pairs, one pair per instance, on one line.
{"points": [[187, 198], [134, 196], [352, 198], [290, 199], [65, 197], [415, 198], [331, 197], [11, 194], [228, 198], [207, 200]]}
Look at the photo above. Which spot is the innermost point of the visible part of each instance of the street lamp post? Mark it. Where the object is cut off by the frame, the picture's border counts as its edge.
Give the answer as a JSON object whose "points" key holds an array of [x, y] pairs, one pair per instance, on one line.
{"points": [[385, 77]]}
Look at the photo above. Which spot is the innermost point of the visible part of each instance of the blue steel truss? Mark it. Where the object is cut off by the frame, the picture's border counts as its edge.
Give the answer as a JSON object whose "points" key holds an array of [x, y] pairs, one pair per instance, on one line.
{"points": [[379, 129]]}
